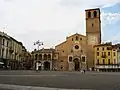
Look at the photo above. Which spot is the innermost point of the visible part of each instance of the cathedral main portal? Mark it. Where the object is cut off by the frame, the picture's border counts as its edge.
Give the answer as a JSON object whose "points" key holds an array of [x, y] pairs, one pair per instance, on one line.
{"points": [[76, 64]]}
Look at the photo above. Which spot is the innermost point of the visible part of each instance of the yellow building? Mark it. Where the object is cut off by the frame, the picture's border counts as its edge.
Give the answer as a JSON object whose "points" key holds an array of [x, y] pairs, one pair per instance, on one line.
{"points": [[105, 57]]}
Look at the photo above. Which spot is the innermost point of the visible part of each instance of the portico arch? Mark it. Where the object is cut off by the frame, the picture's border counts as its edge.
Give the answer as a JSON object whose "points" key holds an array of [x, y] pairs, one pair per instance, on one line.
{"points": [[47, 65], [38, 65]]}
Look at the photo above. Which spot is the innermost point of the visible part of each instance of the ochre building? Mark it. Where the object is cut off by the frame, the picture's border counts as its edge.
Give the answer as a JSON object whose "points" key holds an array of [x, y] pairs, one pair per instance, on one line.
{"points": [[77, 51], [106, 57]]}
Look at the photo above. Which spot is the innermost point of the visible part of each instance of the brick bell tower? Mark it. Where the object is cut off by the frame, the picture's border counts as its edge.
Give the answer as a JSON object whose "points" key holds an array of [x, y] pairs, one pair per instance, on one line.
{"points": [[93, 33]]}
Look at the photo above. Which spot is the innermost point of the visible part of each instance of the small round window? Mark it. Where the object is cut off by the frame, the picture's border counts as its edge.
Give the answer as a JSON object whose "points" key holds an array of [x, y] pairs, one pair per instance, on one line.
{"points": [[76, 47]]}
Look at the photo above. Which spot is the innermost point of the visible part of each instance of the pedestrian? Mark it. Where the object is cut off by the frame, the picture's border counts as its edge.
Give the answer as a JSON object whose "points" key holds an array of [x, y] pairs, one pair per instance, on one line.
{"points": [[37, 69], [84, 71]]}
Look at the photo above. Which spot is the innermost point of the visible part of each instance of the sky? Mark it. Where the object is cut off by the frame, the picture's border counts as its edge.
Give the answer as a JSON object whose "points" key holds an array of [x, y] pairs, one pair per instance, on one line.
{"points": [[51, 21]]}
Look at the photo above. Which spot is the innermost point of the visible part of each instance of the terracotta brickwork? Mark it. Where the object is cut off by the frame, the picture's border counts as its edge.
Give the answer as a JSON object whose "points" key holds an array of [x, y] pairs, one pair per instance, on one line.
{"points": [[77, 51]]}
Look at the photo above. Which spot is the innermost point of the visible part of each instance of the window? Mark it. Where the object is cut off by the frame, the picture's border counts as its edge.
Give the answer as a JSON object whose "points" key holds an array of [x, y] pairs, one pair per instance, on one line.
{"points": [[102, 53], [108, 53], [80, 38], [27, 57], [109, 48], [103, 48], [95, 14], [61, 60], [70, 59], [83, 59], [76, 47], [76, 38], [2, 52], [108, 61], [7, 43], [6, 53], [97, 61], [36, 57], [71, 50], [89, 14], [81, 51], [54, 55], [49, 57], [61, 67], [97, 53], [97, 49], [3, 42], [92, 24], [103, 61], [45, 56], [114, 54], [40, 57], [72, 39]]}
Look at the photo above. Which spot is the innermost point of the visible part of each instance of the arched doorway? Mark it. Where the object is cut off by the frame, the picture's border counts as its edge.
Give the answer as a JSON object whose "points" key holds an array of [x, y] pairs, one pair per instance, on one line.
{"points": [[76, 64], [46, 65]]}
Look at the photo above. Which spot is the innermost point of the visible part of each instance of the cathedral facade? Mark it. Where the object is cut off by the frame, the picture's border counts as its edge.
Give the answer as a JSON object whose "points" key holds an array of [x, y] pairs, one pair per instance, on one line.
{"points": [[77, 51]]}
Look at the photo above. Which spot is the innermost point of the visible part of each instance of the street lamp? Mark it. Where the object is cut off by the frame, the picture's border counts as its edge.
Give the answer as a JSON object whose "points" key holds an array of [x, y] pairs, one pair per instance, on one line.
{"points": [[38, 43]]}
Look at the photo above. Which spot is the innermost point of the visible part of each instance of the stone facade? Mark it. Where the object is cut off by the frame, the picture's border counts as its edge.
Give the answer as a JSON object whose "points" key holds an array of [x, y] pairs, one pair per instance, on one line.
{"points": [[5, 47], [77, 51], [72, 52], [45, 59], [10, 51]]}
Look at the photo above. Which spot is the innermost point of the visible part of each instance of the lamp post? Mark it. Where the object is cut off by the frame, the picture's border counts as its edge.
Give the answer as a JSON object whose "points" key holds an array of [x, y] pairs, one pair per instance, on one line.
{"points": [[38, 43]]}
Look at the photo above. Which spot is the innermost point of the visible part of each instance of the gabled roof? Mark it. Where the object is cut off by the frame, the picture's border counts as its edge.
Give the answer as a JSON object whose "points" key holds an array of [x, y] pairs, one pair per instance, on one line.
{"points": [[70, 37], [76, 34], [92, 9], [61, 43]]}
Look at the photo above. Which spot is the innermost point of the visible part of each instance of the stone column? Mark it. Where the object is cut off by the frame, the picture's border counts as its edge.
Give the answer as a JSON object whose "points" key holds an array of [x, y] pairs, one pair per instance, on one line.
{"points": [[51, 65], [71, 66], [42, 65]]}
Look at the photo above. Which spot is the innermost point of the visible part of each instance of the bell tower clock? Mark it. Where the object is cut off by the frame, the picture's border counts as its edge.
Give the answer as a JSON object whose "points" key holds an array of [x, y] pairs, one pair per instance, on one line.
{"points": [[93, 26]]}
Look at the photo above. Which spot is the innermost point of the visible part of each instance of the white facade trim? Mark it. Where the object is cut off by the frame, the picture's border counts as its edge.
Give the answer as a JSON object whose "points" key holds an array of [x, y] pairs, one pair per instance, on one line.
{"points": [[70, 56]]}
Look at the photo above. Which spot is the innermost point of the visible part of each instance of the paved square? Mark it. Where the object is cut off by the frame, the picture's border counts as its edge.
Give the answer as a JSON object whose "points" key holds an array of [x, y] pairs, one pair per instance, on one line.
{"points": [[69, 80]]}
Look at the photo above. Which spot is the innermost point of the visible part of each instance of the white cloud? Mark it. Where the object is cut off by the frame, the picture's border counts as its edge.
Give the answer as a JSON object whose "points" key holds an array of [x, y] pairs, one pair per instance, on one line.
{"points": [[110, 18], [29, 20], [89, 3], [107, 20]]}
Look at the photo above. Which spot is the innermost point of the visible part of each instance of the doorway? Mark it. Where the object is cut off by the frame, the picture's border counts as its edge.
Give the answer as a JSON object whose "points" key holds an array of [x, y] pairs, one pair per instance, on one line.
{"points": [[46, 65], [76, 64]]}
